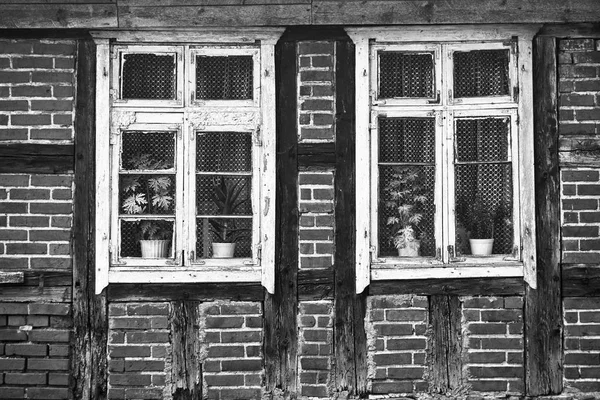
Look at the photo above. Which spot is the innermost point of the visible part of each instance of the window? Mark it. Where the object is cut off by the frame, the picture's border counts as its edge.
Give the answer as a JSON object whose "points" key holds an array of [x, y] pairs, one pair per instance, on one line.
{"points": [[186, 163], [444, 122]]}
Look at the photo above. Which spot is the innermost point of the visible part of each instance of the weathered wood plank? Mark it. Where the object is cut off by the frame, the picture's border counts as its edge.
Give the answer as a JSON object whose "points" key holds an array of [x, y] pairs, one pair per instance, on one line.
{"points": [[445, 346], [35, 294], [281, 308], [151, 3], [315, 284], [48, 278], [459, 287], [316, 155], [584, 30], [124, 292], [36, 158], [190, 16], [57, 1], [186, 369], [543, 307], [350, 341], [453, 12], [11, 277], [58, 16], [90, 317], [580, 280], [579, 151]]}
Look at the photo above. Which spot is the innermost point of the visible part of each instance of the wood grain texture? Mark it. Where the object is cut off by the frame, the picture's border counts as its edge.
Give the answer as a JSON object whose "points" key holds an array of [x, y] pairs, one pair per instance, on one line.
{"points": [[90, 16], [36, 158], [90, 316], [124, 292], [543, 307], [350, 341], [194, 16], [580, 280], [281, 308], [48, 278], [11, 277], [150, 3], [35, 294], [453, 12], [459, 287], [579, 151], [186, 368], [445, 346], [316, 155], [315, 284], [581, 30]]}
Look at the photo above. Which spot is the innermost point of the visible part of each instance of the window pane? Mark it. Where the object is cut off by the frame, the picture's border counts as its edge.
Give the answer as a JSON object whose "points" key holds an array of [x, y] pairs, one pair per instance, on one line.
{"points": [[148, 76], [483, 179], [224, 152], [407, 140], [403, 74], [134, 234], [143, 150], [223, 195], [481, 73], [215, 230], [224, 77]]}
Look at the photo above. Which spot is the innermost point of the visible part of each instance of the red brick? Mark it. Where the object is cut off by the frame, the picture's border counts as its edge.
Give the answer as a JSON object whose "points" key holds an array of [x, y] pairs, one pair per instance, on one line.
{"points": [[501, 315], [52, 77], [584, 303], [62, 91], [580, 204], [14, 76], [15, 46], [51, 208], [576, 44], [62, 119], [26, 248], [60, 249], [147, 337], [62, 194], [483, 302], [25, 379], [315, 262], [322, 91], [3, 120], [315, 48], [501, 343], [25, 349], [316, 133], [587, 57], [13, 263], [315, 179], [321, 105], [47, 393], [38, 320], [406, 344], [51, 263], [13, 234], [31, 91], [582, 358], [392, 387], [486, 357], [54, 364], [406, 315], [53, 48], [226, 351], [64, 63], [29, 221], [51, 134], [587, 86], [49, 309], [129, 380], [577, 129], [224, 380], [58, 379], [51, 235], [392, 359], [322, 61], [315, 308], [130, 323], [51, 180], [488, 386], [49, 336], [14, 105], [32, 62], [129, 351], [61, 222], [580, 231], [148, 309]]}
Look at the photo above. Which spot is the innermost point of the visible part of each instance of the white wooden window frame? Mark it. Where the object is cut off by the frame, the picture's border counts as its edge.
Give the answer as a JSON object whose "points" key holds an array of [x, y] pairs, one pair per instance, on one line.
{"points": [[433, 49], [257, 117], [225, 51], [118, 51], [450, 38]]}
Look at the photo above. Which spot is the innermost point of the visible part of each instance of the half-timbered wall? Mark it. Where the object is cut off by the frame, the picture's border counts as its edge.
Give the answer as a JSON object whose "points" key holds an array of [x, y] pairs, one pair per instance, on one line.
{"points": [[314, 337]]}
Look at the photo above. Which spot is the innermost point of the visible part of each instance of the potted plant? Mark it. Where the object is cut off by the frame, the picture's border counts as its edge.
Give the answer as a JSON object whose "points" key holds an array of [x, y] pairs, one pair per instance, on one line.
{"points": [[406, 198], [481, 228], [227, 198], [150, 194]]}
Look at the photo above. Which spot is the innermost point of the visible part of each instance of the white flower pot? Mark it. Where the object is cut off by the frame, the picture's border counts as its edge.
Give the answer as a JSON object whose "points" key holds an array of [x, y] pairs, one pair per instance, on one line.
{"points": [[223, 250], [154, 248], [411, 249], [481, 247]]}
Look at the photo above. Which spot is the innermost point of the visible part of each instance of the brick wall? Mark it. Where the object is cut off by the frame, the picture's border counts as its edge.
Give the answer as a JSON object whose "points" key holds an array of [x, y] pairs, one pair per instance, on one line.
{"points": [[316, 91], [396, 338]]}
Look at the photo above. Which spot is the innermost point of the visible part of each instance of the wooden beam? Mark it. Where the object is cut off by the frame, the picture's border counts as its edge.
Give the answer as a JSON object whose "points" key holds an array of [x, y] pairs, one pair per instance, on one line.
{"points": [[149, 3], [33, 158], [445, 348], [123, 292], [350, 340], [543, 308], [571, 31], [319, 155], [194, 16], [35, 294], [458, 287], [579, 151], [315, 284], [580, 280], [281, 308], [90, 317], [186, 368], [384, 12], [11, 277], [89, 16]]}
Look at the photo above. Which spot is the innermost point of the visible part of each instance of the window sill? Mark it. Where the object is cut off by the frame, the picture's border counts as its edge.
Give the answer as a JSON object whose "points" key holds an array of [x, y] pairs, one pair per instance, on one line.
{"points": [[467, 269], [202, 274]]}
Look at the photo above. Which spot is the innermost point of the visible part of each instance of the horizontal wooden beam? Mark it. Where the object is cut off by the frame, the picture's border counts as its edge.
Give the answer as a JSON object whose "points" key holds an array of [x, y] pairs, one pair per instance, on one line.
{"points": [[383, 12], [149, 3], [25, 294], [579, 151], [316, 155], [11, 277], [460, 287], [48, 278], [315, 284], [582, 30], [26, 16], [186, 291], [36, 158], [194, 16], [580, 280]]}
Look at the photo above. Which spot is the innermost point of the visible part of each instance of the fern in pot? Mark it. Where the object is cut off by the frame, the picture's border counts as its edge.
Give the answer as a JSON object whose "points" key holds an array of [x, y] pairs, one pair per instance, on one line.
{"points": [[406, 199], [149, 194], [228, 198]]}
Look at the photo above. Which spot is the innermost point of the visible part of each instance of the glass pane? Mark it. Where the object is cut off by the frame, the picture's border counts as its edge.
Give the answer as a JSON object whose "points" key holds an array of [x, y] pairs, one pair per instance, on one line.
{"points": [[484, 139], [143, 150], [409, 140], [218, 230], [148, 76], [406, 210], [224, 152], [481, 73], [135, 233], [403, 74], [223, 195], [224, 77], [147, 194]]}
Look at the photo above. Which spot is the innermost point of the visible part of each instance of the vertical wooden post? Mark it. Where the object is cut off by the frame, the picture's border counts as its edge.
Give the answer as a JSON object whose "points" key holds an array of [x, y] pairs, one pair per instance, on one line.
{"points": [[350, 339], [186, 370], [90, 324], [281, 308], [543, 308]]}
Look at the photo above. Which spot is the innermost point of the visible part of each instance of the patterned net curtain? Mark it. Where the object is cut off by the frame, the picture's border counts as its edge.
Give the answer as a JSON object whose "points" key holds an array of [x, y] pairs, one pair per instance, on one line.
{"points": [[148, 76], [408, 75], [481, 73], [224, 77]]}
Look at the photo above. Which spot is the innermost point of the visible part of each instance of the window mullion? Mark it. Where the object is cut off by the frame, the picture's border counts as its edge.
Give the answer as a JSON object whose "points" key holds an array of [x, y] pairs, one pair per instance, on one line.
{"points": [[447, 166], [180, 201], [374, 133]]}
